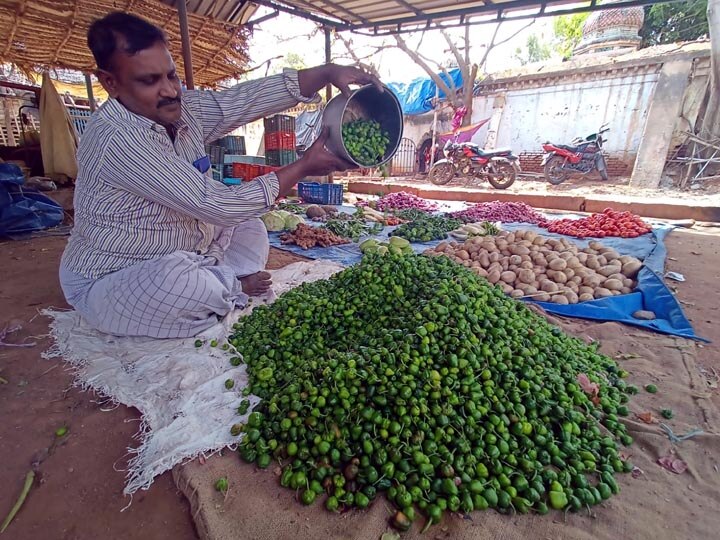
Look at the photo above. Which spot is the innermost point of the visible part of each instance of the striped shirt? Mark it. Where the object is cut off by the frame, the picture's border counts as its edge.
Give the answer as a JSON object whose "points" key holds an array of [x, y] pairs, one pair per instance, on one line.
{"points": [[138, 195]]}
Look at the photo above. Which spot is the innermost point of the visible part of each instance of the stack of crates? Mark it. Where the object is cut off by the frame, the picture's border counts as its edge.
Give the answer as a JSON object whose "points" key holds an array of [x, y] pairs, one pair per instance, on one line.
{"points": [[280, 140], [233, 145], [216, 154]]}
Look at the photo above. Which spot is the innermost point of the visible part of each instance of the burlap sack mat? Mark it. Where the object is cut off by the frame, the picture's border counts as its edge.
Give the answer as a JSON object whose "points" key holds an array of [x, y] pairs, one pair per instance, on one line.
{"points": [[658, 504]]}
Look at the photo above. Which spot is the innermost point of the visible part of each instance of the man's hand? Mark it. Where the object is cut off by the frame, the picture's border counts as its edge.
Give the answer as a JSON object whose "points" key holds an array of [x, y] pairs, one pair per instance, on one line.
{"points": [[343, 76], [313, 79], [316, 161], [319, 161]]}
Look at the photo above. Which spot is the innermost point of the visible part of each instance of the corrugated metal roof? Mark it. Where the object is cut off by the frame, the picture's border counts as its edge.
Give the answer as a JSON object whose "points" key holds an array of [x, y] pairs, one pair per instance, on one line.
{"points": [[232, 11], [392, 16]]}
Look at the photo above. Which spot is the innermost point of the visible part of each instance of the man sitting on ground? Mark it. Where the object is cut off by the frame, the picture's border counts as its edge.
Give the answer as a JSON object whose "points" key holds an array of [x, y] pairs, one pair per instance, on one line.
{"points": [[159, 248]]}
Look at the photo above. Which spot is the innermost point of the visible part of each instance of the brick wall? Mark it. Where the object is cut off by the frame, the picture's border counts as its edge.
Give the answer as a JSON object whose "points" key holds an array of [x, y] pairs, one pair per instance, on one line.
{"points": [[532, 162]]}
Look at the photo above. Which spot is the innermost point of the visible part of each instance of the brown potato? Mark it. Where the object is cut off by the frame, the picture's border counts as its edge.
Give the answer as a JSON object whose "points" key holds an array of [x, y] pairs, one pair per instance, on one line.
{"points": [[508, 277], [526, 276], [584, 297], [601, 292], [559, 299], [607, 270], [572, 298], [613, 284], [517, 293], [558, 264], [592, 262], [548, 287], [631, 268], [494, 277]]}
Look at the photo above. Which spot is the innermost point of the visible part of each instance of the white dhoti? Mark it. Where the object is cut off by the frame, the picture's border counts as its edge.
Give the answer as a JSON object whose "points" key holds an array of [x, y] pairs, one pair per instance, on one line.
{"points": [[177, 295]]}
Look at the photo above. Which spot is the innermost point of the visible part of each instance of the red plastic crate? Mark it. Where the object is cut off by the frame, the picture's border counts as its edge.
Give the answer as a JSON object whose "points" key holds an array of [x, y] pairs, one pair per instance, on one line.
{"points": [[248, 171], [280, 140]]}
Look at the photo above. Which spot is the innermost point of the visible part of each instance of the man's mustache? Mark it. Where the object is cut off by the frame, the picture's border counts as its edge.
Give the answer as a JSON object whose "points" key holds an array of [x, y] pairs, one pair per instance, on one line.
{"points": [[168, 101]]}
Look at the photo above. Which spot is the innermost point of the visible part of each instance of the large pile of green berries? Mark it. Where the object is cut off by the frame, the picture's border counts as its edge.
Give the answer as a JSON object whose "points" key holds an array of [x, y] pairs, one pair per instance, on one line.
{"points": [[410, 375], [365, 141]]}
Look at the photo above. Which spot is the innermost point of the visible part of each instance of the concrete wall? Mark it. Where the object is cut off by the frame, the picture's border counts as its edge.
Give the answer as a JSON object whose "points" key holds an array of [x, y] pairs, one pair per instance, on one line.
{"points": [[562, 112], [559, 112]]}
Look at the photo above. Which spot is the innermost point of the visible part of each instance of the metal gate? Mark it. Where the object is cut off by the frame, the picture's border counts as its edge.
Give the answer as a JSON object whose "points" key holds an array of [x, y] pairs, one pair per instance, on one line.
{"points": [[405, 160]]}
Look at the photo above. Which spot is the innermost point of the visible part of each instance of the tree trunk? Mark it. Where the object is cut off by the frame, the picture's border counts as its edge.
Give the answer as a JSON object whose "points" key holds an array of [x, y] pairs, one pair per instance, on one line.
{"points": [[710, 126], [450, 93], [468, 87]]}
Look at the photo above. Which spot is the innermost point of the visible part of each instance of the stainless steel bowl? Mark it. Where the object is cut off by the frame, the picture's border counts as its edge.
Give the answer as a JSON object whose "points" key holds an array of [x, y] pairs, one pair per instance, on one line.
{"points": [[369, 103]]}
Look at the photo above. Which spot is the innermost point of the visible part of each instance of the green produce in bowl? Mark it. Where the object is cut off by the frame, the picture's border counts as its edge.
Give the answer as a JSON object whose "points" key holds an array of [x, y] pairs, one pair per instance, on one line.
{"points": [[365, 141]]}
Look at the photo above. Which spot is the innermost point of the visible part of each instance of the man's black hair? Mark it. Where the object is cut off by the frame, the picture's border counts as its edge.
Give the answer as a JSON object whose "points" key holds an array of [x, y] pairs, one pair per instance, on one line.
{"points": [[123, 31]]}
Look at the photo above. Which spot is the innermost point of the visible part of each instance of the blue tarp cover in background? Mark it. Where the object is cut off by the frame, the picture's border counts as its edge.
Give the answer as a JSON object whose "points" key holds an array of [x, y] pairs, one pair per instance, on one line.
{"points": [[24, 210], [416, 96], [651, 293]]}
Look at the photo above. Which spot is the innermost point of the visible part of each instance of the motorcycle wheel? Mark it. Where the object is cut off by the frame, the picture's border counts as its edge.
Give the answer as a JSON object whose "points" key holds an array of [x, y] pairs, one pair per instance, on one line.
{"points": [[441, 174], [503, 177], [554, 172]]}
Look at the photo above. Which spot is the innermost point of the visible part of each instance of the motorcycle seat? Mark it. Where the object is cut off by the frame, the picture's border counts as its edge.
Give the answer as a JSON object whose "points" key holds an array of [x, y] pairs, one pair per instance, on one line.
{"points": [[495, 151], [567, 147]]}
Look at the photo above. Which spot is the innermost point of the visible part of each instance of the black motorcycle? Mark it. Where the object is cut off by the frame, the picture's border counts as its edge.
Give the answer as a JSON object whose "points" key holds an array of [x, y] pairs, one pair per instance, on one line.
{"points": [[499, 167]]}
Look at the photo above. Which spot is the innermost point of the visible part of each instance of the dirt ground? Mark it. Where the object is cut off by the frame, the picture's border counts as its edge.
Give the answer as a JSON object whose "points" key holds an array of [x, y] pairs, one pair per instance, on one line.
{"points": [[77, 494]]}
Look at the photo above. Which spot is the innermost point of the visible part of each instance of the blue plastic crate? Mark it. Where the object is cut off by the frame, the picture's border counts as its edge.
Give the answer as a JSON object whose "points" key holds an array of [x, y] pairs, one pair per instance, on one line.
{"points": [[314, 192]]}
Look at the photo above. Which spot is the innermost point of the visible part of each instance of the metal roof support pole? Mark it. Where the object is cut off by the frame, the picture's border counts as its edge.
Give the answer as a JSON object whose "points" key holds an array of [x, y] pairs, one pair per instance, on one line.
{"points": [[328, 59], [91, 97], [186, 50]]}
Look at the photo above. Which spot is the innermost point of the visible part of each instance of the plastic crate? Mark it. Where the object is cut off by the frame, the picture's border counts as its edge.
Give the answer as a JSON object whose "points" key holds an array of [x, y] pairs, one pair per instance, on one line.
{"points": [[279, 122], [216, 154], [280, 140], [279, 158], [248, 171], [233, 144], [316, 193]]}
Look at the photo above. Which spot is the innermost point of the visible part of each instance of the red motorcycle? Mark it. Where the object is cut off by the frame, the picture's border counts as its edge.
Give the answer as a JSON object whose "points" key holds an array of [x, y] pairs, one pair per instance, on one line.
{"points": [[583, 156], [499, 167]]}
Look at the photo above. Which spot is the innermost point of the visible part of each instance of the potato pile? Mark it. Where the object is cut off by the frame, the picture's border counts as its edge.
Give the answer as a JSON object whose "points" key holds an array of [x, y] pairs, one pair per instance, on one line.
{"points": [[526, 264]]}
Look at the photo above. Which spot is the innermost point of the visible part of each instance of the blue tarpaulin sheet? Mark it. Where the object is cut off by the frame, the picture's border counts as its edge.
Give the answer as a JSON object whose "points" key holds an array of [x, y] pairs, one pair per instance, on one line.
{"points": [[651, 293], [416, 96], [24, 210]]}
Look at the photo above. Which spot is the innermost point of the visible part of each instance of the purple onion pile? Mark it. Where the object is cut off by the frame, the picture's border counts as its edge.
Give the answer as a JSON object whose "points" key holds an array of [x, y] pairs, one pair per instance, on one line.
{"points": [[505, 212]]}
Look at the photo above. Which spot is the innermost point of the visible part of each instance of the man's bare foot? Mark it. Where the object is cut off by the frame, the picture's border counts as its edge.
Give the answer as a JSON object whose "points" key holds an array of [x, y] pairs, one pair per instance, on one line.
{"points": [[256, 284]]}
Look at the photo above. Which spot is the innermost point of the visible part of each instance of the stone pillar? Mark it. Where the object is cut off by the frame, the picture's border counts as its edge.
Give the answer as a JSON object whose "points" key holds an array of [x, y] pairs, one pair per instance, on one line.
{"points": [[665, 109]]}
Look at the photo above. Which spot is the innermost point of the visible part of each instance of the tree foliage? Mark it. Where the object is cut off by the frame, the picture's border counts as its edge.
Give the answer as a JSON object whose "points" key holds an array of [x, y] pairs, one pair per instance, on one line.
{"points": [[568, 32], [673, 22], [535, 50]]}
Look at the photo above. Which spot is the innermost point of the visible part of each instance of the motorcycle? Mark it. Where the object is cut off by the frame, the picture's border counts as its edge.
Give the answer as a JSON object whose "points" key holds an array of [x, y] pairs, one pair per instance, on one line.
{"points": [[583, 156], [499, 167]]}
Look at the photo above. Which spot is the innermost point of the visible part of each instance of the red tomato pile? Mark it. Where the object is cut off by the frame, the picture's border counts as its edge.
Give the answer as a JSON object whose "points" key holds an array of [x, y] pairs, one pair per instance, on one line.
{"points": [[609, 223]]}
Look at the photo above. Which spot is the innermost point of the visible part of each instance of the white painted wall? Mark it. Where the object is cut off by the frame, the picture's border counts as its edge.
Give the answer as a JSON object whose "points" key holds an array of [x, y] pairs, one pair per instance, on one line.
{"points": [[562, 112]]}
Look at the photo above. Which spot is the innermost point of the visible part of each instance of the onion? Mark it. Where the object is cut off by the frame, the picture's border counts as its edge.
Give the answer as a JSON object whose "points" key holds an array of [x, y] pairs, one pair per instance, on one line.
{"points": [[505, 212]]}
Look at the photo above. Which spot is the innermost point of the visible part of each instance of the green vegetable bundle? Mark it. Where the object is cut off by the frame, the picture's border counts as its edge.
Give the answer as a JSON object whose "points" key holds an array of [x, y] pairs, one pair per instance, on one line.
{"points": [[365, 141], [351, 226], [412, 376], [425, 227]]}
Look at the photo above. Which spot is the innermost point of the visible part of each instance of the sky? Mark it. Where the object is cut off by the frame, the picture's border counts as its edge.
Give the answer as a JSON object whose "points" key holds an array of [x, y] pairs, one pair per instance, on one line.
{"points": [[286, 33]]}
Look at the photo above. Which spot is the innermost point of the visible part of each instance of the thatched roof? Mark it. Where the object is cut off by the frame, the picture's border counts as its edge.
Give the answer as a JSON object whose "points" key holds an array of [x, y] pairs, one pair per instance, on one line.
{"points": [[46, 34]]}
